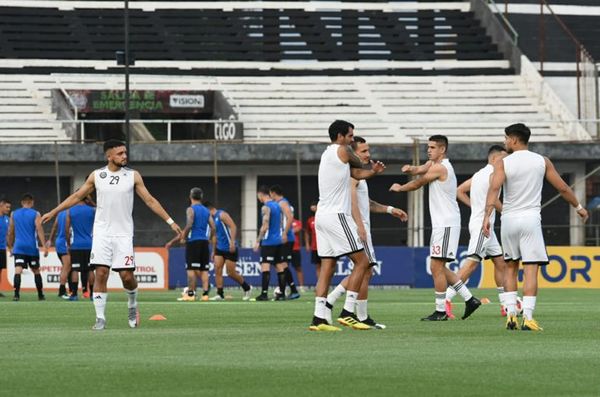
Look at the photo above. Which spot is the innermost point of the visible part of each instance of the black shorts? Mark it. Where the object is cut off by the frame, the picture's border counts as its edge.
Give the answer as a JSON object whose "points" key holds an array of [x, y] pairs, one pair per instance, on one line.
{"points": [[60, 256], [26, 261], [229, 256], [197, 255], [2, 259], [286, 252], [80, 260], [315, 258], [296, 259], [271, 254]]}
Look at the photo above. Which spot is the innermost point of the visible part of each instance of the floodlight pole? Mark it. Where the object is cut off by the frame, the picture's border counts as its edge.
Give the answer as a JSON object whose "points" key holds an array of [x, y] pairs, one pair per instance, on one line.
{"points": [[127, 116]]}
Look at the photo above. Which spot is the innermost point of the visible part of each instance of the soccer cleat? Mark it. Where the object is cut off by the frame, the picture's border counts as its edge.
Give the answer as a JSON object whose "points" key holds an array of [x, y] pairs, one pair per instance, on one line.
{"points": [[217, 298], [502, 311], [349, 320], [531, 325], [73, 298], [262, 297], [42, 297], [134, 317], [293, 295], [324, 327], [470, 306], [449, 309], [204, 298], [16, 298], [279, 297], [64, 296], [100, 324], [187, 298], [372, 323], [246, 296], [511, 322], [436, 316]]}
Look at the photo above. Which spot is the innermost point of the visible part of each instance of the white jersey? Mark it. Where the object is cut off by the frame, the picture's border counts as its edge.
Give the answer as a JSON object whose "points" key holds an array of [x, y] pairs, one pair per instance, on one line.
{"points": [[443, 207], [334, 183], [525, 173], [364, 207], [480, 183], [114, 202]]}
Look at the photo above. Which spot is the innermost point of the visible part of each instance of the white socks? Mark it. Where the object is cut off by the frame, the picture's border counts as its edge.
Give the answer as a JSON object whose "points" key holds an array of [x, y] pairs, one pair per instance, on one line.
{"points": [[100, 304], [462, 290], [500, 295], [361, 309], [336, 294], [320, 307], [528, 307], [440, 301], [510, 300], [350, 301], [450, 293], [131, 298]]}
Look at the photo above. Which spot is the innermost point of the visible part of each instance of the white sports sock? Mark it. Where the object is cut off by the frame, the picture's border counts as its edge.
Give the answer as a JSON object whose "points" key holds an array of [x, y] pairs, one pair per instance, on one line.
{"points": [[528, 307], [320, 307], [462, 290], [500, 294], [450, 293], [335, 294], [100, 304], [350, 302], [131, 298], [510, 300], [361, 309], [440, 301]]}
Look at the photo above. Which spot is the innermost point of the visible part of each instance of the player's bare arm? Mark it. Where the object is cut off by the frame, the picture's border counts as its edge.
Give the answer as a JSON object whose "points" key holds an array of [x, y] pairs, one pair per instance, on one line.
{"points": [[417, 169], [266, 215], [68, 230], [40, 233], [347, 155], [213, 229], [498, 178], [52, 233], [436, 171], [228, 221], [79, 195], [189, 222], [289, 218], [368, 170], [10, 235], [462, 192], [554, 178], [377, 208], [153, 203], [498, 204], [362, 232]]}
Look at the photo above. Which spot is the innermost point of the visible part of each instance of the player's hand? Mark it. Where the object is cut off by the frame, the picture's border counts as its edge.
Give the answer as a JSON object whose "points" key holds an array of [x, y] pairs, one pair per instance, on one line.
{"points": [[48, 244], [175, 227], [256, 246], [232, 248], [168, 245], [396, 187], [45, 252], [583, 214], [362, 234], [406, 168], [182, 240], [486, 226], [377, 166], [398, 213], [47, 216], [284, 238]]}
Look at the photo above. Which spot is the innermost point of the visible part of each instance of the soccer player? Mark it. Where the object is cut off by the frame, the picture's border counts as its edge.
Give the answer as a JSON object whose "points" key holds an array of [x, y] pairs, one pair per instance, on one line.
{"points": [[310, 239], [80, 219], [225, 251], [5, 206], [445, 221], [522, 173], [362, 206], [336, 230], [59, 231], [198, 230], [288, 238], [480, 247], [112, 242], [296, 256], [24, 229]]}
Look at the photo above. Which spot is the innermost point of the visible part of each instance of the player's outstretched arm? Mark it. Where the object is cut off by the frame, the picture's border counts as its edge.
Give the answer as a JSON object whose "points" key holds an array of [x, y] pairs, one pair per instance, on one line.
{"points": [[79, 195], [554, 178], [462, 192], [358, 170], [435, 171], [153, 203], [375, 207], [417, 169], [496, 182]]}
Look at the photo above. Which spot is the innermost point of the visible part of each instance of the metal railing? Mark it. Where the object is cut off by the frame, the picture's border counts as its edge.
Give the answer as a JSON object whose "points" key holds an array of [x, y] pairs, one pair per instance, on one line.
{"points": [[505, 21]]}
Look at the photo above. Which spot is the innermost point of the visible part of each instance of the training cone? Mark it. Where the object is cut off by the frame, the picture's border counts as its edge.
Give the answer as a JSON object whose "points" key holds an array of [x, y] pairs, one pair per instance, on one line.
{"points": [[157, 317]]}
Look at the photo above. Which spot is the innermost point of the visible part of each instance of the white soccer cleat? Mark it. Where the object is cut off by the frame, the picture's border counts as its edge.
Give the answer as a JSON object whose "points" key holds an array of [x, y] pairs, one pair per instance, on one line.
{"points": [[246, 296], [134, 317], [100, 324], [217, 298]]}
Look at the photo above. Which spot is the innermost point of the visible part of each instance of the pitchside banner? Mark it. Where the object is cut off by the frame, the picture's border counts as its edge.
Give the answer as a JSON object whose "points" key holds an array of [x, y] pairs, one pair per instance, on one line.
{"points": [[151, 271]]}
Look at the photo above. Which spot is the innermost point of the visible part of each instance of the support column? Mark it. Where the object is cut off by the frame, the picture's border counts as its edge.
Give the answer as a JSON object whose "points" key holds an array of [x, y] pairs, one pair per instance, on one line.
{"points": [[78, 179], [249, 221], [576, 226], [415, 218]]}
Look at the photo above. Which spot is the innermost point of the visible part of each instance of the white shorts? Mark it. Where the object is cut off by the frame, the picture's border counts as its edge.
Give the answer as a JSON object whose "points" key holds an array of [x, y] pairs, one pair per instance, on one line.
{"points": [[336, 235], [481, 247], [522, 239], [369, 250], [444, 243], [114, 252]]}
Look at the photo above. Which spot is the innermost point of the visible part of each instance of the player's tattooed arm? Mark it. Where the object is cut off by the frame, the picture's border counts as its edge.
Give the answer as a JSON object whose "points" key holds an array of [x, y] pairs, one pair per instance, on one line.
{"points": [[351, 158], [565, 190], [462, 190], [266, 216], [85, 190], [498, 178]]}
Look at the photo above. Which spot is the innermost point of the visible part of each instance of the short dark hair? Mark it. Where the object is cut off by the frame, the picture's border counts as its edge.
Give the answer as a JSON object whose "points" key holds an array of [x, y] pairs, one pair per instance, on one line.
{"points": [[357, 140], [4, 200], [196, 193], [263, 189], [27, 197], [441, 140], [208, 204], [276, 189], [520, 131], [496, 149], [112, 143], [339, 127]]}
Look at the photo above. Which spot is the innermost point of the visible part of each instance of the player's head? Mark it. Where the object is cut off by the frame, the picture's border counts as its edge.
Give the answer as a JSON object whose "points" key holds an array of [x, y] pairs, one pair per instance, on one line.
{"points": [[276, 192], [27, 200], [341, 132], [313, 206], [361, 148], [210, 207], [115, 152], [196, 194], [437, 147], [263, 194], [5, 206], [496, 152], [517, 135]]}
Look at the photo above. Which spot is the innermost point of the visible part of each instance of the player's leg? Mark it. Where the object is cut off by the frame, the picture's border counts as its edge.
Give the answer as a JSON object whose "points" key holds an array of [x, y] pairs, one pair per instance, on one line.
{"points": [[203, 275], [100, 295], [533, 250], [19, 265], [90, 281], [265, 273], [322, 316], [204, 259], [316, 260], [230, 262], [63, 278], [355, 280], [219, 262], [286, 255], [499, 270], [34, 263], [282, 279], [440, 284], [76, 269], [297, 265], [337, 292], [510, 295], [130, 285]]}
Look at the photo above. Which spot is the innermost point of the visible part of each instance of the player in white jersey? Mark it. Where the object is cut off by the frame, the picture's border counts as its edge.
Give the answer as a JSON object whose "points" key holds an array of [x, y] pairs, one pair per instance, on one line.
{"points": [[445, 222], [336, 230], [522, 173], [112, 243], [362, 206], [473, 193]]}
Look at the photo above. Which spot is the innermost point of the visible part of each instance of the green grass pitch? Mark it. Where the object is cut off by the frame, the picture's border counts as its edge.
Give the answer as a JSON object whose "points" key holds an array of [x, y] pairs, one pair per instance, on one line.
{"points": [[264, 348]]}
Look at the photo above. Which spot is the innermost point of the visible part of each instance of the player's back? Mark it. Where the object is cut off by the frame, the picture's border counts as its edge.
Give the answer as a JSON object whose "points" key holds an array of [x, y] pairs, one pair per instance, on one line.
{"points": [[480, 183], [334, 183], [273, 235], [25, 233], [525, 173], [199, 230], [443, 207], [114, 210], [82, 223]]}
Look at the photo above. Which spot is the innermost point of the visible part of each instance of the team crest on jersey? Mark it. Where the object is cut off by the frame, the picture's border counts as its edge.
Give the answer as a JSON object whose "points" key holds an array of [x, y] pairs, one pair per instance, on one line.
{"points": [[103, 175]]}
